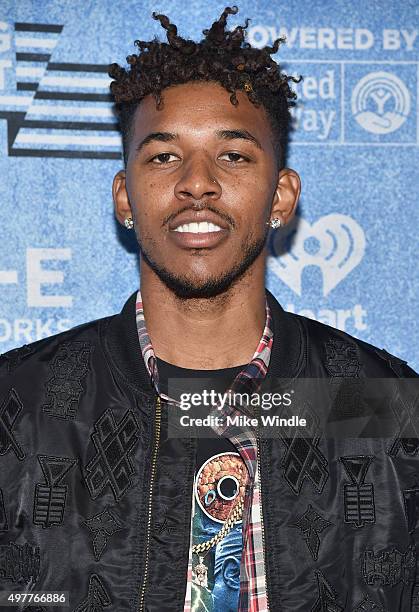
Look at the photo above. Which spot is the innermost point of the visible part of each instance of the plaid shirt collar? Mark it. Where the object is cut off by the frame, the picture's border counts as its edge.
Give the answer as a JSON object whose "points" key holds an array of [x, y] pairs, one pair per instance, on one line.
{"points": [[248, 380]]}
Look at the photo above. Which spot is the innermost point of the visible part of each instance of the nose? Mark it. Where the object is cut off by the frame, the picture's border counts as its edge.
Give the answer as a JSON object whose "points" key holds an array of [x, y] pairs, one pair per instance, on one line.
{"points": [[197, 181]]}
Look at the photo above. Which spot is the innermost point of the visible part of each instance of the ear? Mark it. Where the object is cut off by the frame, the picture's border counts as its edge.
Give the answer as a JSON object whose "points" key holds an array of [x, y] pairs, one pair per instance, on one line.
{"points": [[286, 195], [120, 197]]}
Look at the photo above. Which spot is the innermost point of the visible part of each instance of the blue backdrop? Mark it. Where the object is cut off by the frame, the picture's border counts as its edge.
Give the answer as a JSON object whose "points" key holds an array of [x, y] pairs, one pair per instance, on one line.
{"points": [[350, 259]]}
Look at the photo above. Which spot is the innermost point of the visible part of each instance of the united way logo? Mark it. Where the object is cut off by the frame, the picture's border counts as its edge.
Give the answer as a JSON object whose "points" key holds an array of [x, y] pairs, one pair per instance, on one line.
{"points": [[380, 102], [335, 244]]}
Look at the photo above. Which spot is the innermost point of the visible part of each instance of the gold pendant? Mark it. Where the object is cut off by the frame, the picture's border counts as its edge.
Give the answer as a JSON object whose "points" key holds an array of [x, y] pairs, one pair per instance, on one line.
{"points": [[200, 573]]}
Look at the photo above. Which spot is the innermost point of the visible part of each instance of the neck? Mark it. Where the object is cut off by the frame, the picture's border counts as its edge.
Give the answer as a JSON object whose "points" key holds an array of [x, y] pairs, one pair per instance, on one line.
{"points": [[209, 333]]}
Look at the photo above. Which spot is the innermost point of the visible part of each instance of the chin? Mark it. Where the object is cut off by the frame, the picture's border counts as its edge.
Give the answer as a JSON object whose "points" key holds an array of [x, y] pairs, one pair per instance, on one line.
{"points": [[205, 285], [186, 288]]}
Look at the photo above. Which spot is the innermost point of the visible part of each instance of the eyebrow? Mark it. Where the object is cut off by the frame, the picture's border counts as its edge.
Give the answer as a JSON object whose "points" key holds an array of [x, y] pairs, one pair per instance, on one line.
{"points": [[222, 134], [236, 134]]}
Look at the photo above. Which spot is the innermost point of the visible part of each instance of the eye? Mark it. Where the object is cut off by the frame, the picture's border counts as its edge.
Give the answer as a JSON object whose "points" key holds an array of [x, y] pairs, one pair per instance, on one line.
{"points": [[233, 157], [163, 158]]}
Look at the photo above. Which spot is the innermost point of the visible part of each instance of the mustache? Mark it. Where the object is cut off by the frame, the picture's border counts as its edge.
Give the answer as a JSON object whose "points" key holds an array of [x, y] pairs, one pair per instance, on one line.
{"points": [[227, 218]]}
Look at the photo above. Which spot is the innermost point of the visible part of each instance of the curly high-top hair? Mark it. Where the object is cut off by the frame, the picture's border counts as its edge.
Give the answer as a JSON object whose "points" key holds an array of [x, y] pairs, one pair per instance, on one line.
{"points": [[222, 56]]}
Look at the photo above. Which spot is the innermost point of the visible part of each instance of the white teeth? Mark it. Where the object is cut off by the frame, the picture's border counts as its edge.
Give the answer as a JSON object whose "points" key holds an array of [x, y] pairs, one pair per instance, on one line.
{"points": [[203, 227]]}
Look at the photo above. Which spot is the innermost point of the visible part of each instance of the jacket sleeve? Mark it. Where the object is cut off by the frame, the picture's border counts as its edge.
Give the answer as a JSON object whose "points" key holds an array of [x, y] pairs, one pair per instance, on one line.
{"points": [[19, 552]]}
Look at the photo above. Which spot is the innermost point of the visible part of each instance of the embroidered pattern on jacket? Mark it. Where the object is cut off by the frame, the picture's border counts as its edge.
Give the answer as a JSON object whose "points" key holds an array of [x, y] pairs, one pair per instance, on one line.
{"points": [[97, 597], [9, 411], [165, 525], [103, 525], [304, 460], [50, 497], [341, 359], [4, 523], [358, 497], [389, 567], [395, 363], [311, 524], [64, 389], [112, 465], [368, 605], [19, 562], [326, 601], [15, 357], [408, 420]]}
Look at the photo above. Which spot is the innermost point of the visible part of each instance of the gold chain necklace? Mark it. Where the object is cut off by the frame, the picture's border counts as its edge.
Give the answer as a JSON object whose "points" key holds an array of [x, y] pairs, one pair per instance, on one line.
{"points": [[200, 569]]}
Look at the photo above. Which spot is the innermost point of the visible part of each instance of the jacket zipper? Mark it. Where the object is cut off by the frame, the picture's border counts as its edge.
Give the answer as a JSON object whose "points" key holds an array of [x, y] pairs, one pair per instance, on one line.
{"points": [[157, 422], [261, 521]]}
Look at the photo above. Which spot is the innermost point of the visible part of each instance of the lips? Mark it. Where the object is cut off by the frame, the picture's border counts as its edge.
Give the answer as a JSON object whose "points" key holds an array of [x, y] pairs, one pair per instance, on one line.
{"points": [[198, 230], [200, 216]]}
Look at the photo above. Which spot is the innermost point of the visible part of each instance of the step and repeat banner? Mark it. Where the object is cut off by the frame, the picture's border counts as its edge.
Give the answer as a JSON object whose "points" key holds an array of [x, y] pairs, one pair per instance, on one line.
{"points": [[350, 259]]}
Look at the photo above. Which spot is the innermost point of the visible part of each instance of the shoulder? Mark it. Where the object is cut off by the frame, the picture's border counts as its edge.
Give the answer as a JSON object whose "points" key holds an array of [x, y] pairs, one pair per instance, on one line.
{"points": [[52, 375], [344, 355], [76, 344]]}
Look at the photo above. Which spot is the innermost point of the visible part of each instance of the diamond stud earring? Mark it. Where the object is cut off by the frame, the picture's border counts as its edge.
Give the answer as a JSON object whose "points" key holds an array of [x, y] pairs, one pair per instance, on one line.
{"points": [[129, 223], [275, 223]]}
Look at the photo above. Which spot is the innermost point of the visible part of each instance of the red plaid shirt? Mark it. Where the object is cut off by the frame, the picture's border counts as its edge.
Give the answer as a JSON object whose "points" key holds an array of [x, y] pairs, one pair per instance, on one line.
{"points": [[252, 568]]}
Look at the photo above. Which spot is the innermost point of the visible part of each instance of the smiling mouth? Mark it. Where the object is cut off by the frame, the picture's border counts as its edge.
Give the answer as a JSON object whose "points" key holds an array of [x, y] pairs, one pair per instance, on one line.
{"points": [[198, 235], [202, 227]]}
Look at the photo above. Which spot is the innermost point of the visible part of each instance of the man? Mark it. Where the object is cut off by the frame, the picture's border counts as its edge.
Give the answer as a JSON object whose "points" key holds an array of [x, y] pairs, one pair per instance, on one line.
{"points": [[100, 498]]}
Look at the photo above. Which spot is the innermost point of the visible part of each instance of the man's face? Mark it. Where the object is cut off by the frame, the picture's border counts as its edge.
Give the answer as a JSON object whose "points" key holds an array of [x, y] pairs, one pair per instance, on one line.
{"points": [[201, 178]]}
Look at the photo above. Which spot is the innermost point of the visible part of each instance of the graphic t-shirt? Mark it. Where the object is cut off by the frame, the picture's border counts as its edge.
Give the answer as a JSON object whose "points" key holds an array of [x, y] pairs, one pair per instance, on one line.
{"points": [[220, 477]]}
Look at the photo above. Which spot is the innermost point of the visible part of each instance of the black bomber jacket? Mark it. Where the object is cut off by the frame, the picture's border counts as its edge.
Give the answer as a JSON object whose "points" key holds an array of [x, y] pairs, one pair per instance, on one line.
{"points": [[95, 497]]}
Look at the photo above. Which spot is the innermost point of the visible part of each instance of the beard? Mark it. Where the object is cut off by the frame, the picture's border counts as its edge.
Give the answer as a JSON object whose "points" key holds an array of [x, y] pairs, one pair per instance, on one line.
{"points": [[186, 288]]}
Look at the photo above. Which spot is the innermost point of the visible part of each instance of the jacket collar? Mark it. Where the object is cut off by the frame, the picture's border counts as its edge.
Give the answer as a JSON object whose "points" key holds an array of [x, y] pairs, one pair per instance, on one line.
{"points": [[123, 349]]}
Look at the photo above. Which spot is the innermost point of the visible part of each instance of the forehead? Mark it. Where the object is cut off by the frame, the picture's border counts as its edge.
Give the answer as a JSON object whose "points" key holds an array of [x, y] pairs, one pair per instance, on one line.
{"points": [[199, 108]]}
